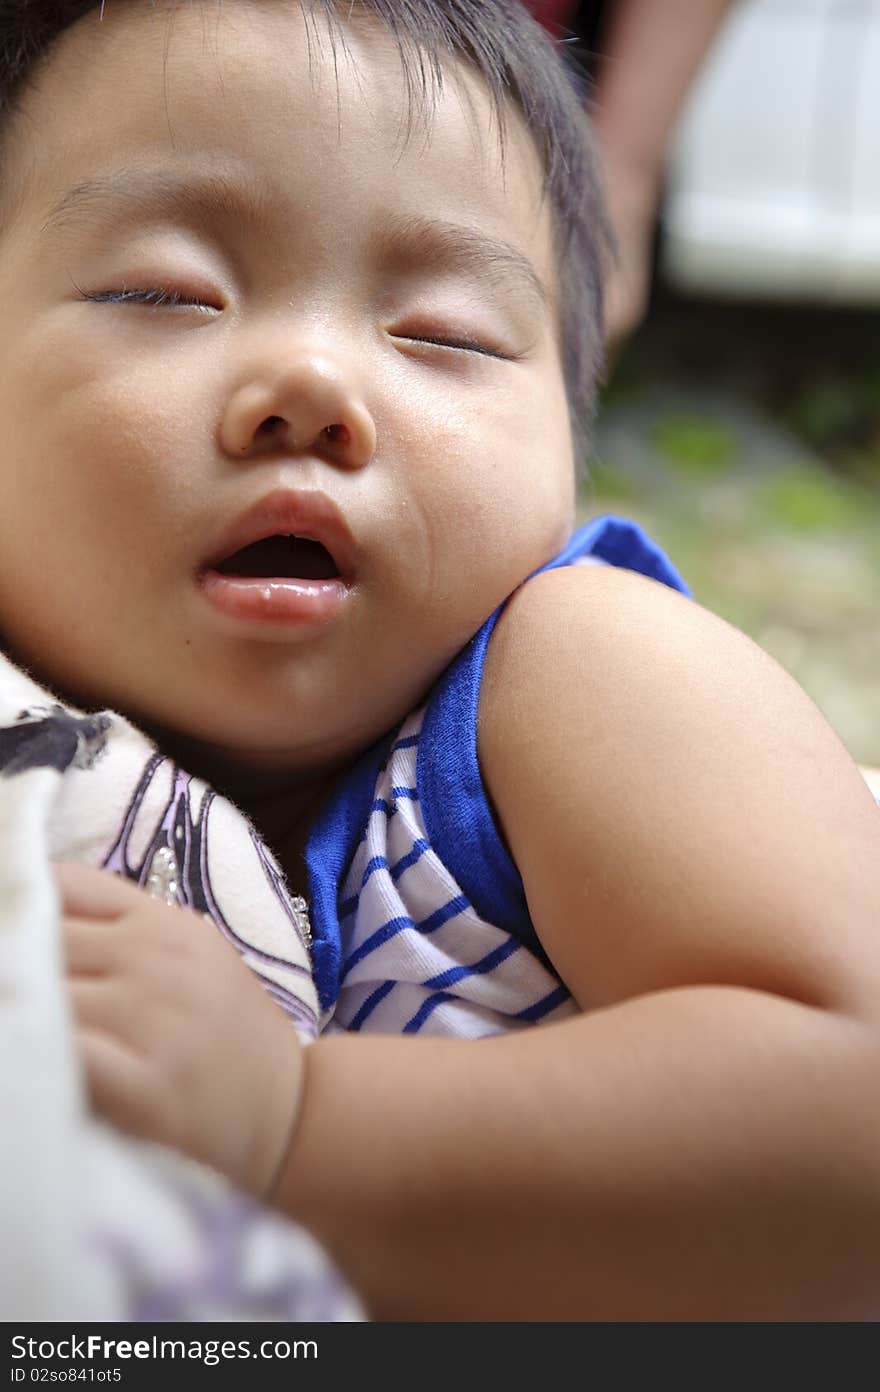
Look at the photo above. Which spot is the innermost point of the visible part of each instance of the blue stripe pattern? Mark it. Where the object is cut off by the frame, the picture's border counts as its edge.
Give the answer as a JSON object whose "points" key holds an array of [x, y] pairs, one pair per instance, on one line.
{"points": [[485, 964], [396, 925], [535, 1012], [427, 1008], [369, 1005], [480, 975], [381, 935], [411, 742], [379, 862], [418, 850]]}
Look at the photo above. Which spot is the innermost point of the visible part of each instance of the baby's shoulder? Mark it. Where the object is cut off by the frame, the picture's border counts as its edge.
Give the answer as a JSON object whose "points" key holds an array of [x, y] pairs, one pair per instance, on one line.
{"points": [[602, 627], [603, 679], [661, 782]]}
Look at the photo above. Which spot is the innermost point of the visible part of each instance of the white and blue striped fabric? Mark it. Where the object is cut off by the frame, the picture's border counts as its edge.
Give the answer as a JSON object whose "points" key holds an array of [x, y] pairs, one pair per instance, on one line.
{"points": [[420, 924], [417, 956]]}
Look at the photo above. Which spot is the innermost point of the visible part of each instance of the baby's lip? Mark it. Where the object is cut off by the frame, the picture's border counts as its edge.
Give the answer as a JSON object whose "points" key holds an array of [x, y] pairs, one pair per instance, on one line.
{"points": [[291, 512]]}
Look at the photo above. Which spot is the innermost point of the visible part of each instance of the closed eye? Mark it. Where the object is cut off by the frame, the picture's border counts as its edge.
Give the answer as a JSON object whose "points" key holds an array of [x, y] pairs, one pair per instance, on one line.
{"points": [[155, 298], [457, 344]]}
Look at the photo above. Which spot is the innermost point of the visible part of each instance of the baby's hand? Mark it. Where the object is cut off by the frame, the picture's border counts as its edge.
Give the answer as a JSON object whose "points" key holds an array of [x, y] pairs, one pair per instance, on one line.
{"points": [[179, 1042]]}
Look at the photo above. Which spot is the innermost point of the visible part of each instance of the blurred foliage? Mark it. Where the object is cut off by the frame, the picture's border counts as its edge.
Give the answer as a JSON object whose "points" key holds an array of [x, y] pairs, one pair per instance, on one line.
{"points": [[801, 497], [816, 371], [694, 445], [837, 415], [746, 439], [607, 483]]}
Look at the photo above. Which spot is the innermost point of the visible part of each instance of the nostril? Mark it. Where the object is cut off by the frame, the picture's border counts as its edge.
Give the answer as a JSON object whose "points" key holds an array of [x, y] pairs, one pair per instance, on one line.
{"points": [[337, 434], [269, 425]]}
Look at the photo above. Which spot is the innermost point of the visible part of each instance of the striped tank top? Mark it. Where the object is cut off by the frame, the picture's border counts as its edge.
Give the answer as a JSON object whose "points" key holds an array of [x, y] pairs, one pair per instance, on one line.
{"points": [[419, 916]]}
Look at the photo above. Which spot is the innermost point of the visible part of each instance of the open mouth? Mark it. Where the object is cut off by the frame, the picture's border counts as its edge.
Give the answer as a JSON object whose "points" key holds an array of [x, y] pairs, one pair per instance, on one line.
{"points": [[281, 557]]}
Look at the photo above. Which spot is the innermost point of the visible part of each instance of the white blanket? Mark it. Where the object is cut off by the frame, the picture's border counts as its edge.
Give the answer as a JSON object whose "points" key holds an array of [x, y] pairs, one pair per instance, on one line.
{"points": [[96, 1226]]}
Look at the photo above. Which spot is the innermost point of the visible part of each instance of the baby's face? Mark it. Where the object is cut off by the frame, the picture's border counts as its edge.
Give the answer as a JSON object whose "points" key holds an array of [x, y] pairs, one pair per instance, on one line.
{"points": [[239, 302]]}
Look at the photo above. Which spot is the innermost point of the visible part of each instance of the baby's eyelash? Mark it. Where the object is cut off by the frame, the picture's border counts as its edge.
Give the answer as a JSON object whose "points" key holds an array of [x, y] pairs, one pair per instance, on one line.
{"points": [[156, 298], [464, 345]]}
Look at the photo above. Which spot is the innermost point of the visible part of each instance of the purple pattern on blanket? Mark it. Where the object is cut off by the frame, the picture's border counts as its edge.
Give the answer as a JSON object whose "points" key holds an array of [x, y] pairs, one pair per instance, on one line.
{"points": [[185, 836], [299, 1284]]}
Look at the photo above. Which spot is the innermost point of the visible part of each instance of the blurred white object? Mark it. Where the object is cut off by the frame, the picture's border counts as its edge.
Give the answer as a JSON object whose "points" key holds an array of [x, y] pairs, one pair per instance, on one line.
{"points": [[774, 186], [94, 1225]]}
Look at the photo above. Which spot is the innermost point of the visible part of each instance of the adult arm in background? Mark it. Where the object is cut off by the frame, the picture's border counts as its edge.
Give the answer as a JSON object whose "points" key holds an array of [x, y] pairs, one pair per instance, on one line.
{"points": [[700, 857], [651, 51]]}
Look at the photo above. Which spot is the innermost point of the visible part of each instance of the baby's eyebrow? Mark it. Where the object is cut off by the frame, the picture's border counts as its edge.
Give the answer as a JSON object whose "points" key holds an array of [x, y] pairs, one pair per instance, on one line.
{"points": [[435, 242], [196, 196]]}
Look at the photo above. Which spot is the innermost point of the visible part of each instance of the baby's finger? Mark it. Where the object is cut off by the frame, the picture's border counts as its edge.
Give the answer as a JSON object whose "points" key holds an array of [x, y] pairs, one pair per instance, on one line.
{"points": [[111, 1010], [91, 947], [91, 893], [119, 1084]]}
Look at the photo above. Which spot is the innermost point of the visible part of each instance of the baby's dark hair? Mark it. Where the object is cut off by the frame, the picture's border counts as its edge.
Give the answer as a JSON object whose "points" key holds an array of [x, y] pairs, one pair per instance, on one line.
{"points": [[517, 62]]}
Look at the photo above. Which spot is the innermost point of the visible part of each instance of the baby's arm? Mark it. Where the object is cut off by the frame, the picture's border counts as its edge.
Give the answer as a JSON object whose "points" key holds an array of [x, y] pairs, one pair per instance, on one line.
{"points": [[702, 863]]}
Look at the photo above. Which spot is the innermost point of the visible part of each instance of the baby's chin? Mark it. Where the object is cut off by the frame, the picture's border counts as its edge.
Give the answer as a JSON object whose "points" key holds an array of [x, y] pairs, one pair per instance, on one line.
{"points": [[246, 768]]}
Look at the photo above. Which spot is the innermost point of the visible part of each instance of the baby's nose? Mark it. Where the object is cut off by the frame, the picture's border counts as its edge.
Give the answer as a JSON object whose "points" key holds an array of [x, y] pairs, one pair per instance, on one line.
{"points": [[311, 404]]}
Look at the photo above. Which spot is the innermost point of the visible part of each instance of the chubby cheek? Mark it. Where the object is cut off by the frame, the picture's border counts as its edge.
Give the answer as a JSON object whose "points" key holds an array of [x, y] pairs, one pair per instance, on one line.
{"points": [[496, 503], [86, 512], [98, 445]]}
